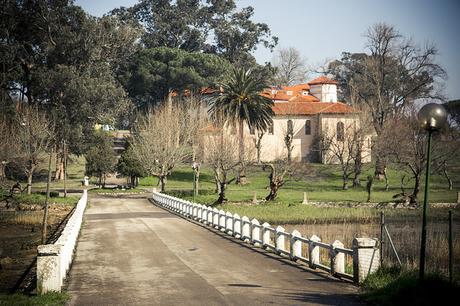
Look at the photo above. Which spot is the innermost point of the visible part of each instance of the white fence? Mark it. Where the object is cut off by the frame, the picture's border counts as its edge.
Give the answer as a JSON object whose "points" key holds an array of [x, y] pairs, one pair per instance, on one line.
{"points": [[54, 260], [364, 253]]}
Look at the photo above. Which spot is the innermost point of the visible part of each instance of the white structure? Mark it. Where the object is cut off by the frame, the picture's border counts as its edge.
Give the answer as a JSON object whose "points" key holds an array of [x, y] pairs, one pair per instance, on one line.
{"points": [[54, 260]]}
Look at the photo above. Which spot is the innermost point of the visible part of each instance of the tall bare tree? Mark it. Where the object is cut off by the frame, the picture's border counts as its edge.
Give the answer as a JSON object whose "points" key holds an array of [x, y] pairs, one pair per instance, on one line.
{"points": [[32, 136], [342, 145], [290, 67], [164, 138], [393, 74]]}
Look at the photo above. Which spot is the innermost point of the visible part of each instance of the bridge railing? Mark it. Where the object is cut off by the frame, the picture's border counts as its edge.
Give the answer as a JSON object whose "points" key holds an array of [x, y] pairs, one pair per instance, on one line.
{"points": [[54, 260], [363, 256]]}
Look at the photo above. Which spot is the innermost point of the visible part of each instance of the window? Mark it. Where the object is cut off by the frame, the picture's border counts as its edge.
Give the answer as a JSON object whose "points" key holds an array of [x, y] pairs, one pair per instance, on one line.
{"points": [[340, 131], [308, 127], [290, 127], [270, 127]]}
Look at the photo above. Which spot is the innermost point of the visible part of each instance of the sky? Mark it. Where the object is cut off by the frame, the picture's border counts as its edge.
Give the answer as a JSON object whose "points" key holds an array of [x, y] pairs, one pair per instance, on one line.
{"points": [[322, 30]]}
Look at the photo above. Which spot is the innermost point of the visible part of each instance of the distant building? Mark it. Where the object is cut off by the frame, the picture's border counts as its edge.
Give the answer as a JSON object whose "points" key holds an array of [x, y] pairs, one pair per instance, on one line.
{"points": [[307, 112]]}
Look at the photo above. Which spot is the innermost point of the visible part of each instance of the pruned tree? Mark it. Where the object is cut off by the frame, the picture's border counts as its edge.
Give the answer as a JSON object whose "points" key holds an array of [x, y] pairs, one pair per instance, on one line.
{"points": [[405, 143], [222, 156], [259, 134], [290, 67], [32, 136], [164, 137], [278, 171], [342, 145]]}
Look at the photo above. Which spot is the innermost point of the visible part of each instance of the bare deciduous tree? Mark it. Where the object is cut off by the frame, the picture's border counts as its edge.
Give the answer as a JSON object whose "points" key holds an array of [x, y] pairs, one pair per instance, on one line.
{"points": [[258, 143], [290, 67], [32, 136], [342, 145], [278, 172], [405, 143], [165, 136]]}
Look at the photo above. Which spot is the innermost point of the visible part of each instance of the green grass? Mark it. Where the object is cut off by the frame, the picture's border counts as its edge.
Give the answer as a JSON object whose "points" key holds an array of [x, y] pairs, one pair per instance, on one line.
{"points": [[391, 286], [49, 299], [322, 184], [37, 198]]}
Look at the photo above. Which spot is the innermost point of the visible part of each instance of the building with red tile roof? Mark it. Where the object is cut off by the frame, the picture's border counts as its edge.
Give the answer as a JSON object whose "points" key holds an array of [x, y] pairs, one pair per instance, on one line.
{"points": [[305, 111]]}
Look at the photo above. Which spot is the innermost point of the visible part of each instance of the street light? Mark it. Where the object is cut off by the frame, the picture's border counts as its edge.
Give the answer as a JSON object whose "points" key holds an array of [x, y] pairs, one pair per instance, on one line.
{"points": [[432, 117], [195, 167]]}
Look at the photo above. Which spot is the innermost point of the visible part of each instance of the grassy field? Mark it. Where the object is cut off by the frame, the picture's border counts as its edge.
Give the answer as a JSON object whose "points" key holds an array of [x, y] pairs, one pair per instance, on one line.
{"points": [[322, 184], [49, 299]]}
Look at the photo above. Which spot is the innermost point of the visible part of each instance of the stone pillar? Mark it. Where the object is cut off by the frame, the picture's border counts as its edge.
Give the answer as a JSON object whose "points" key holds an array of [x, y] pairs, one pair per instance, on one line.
{"points": [[254, 197], [236, 226], [229, 223], [305, 199], [265, 234], [48, 268], [313, 251], [245, 229], [366, 258], [255, 232], [279, 239], [296, 245], [337, 258]]}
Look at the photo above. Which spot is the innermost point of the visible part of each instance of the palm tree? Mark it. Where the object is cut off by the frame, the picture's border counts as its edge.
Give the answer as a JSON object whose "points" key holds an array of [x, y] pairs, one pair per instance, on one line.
{"points": [[241, 102]]}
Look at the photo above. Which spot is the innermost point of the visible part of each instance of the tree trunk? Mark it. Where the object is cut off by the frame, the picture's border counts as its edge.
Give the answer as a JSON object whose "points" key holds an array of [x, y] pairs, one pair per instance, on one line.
{"points": [[345, 183], [221, 199], [2, 171], [162, 181], [29, 183], [415, 192], [242, 171], [197, 181], [273, 192], [357, 169], [449, 180]]}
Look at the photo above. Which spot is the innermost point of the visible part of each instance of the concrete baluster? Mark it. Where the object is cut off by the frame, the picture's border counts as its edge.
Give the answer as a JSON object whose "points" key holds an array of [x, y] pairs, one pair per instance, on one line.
{"points": [[296, 245], [279, 239], [215, 217], [313, 251], [245, 229], [229, 223], [255, 232], [236, 226], [337, 258], [265, 234], [222, 214]]}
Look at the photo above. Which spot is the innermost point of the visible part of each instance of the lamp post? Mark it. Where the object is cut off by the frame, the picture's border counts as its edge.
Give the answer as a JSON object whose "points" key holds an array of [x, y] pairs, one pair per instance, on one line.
{"points": [[432, 117], [195, 166]]}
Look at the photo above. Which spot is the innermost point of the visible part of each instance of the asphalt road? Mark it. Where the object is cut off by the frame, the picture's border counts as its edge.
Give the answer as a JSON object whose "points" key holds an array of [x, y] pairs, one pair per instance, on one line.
{"points": [[131, 252]]}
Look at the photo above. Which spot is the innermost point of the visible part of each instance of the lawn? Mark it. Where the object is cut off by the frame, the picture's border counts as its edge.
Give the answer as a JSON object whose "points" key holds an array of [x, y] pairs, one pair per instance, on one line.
{"points": [[322, 184]]}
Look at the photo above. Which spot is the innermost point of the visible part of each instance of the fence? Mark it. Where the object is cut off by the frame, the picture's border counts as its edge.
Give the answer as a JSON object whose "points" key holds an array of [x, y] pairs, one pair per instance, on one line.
{"points": [[364, 253], [54, 260]]}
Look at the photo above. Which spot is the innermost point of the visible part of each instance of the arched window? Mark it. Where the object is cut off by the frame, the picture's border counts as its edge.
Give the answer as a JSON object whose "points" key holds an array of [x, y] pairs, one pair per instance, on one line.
{"points": [[340, 131], [290, 127], [270, 127], [308, 127]]}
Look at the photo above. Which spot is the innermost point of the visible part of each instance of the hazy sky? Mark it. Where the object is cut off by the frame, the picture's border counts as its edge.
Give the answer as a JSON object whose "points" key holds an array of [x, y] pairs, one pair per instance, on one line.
{"points": [[322, 30]]}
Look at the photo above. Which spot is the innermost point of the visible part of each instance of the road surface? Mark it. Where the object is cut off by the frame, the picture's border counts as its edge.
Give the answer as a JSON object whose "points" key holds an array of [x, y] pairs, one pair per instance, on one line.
{"points": [[131, 252]]}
